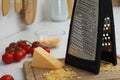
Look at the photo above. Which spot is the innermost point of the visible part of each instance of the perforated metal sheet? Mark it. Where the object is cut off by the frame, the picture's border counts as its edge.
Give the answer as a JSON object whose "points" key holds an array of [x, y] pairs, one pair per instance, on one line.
{"points": [[106, 39], [83, 39]]}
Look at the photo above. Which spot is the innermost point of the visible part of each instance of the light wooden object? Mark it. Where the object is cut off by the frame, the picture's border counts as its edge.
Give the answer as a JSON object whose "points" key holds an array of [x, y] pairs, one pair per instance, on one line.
{"points": [[18, 5], [36, 73], [29, 11], [5, 7], [116, 2], [70, 8]]}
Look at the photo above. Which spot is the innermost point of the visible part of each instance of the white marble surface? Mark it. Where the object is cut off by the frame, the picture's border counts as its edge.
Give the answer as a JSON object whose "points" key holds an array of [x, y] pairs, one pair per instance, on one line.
{"points": [[16, 69]]}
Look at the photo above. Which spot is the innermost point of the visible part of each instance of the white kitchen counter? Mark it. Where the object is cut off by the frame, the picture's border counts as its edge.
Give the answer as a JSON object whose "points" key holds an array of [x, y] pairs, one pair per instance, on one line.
{"points": [[16, 69]]}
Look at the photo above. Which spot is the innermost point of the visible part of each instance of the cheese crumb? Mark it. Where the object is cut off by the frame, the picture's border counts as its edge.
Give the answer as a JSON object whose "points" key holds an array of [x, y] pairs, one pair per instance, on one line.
{"points": [[106, 67], [59, 74]]}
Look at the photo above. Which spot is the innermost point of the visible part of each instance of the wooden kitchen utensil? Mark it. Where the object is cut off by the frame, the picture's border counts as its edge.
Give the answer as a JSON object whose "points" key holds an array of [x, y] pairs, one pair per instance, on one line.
{"points": [[116, 2], [70, 8], [32, 73], [29, 11], [5, 7], [92, 35], [18, 5]]}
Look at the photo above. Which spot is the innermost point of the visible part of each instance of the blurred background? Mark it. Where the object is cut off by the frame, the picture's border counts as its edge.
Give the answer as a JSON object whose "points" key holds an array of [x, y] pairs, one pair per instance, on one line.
{"points": [[12, 23]]}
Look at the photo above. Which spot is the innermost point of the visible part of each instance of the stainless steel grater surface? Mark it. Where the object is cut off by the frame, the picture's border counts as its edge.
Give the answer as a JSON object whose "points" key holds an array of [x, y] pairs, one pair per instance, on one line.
{"points": [[83, 39]]}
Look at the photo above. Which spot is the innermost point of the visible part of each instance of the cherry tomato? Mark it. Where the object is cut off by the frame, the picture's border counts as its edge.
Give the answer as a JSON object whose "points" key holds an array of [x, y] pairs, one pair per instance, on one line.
{"points": [[13, 44], [31, 50], [21, 44], [17, 48], [47, 49], [35, 44], [18, 56], [27, 48], [7, 77], [8, 49], [8, 58], [10, 52], [24, 52]]}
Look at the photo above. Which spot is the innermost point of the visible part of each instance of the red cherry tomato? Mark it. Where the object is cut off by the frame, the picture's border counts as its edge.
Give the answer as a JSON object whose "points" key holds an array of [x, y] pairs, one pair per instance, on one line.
{"points": [[21, 44], [7, 77], [11, 52], [8, 49], [18, 56], [27, 48], [24, 52], [13, 44], [8, 58], [47, 49], [31, 50]]}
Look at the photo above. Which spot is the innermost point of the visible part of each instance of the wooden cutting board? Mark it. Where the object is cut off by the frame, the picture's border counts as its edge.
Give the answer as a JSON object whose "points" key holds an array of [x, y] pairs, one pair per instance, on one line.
{"points": [[36, 73], [29, 11]]}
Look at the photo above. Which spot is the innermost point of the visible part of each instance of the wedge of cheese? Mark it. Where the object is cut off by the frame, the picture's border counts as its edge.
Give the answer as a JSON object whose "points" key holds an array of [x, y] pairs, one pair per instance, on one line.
{"points": [[42, 59]]}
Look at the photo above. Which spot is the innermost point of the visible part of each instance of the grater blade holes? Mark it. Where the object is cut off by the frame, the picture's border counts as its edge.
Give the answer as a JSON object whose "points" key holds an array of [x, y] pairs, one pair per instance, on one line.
{"points": [[106, 39]]}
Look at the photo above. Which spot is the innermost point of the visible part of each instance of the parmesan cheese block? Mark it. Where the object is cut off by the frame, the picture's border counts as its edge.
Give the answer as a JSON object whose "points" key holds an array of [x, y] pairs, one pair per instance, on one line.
{"points": [[42, 59]]}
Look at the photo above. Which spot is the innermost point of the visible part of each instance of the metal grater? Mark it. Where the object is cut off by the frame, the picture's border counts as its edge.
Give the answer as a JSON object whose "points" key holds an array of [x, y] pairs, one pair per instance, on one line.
{"points": [[84, 32], [92, 36]]}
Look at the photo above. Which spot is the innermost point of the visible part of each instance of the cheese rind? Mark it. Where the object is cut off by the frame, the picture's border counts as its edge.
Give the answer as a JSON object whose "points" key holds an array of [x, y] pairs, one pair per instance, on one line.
{"points": [[42, 59]]}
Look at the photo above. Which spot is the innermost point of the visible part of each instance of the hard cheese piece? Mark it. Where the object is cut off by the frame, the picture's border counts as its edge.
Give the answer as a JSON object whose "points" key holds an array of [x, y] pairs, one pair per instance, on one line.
{"points": [[43, 59], [18, 5], [5, 7]]}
